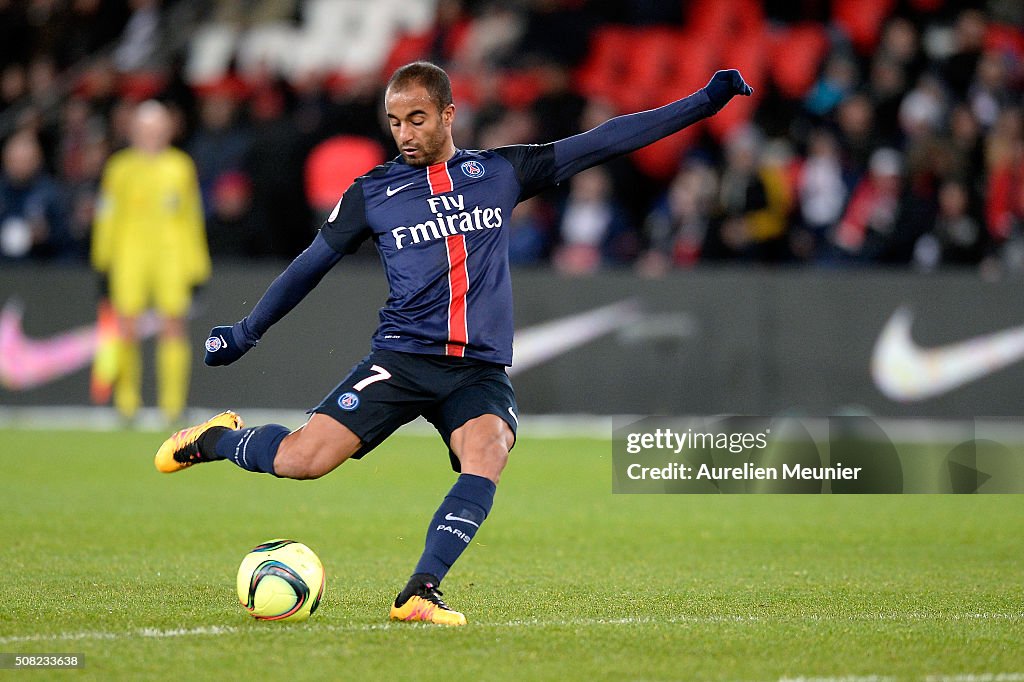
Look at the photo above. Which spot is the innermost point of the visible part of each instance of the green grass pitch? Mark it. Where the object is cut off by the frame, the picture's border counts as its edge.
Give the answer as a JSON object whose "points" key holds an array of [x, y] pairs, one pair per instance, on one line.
{"points": [[103, 556]]}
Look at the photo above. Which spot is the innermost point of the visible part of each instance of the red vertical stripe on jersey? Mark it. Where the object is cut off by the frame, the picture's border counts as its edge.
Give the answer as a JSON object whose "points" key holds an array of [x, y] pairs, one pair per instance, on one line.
{"points": [[458, 287], [439, 179]]}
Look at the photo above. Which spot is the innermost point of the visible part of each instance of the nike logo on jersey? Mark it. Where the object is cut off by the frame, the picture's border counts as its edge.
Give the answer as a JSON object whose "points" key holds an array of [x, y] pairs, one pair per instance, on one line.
{"points": [[453, 517], [904, 371], [392, 192]]}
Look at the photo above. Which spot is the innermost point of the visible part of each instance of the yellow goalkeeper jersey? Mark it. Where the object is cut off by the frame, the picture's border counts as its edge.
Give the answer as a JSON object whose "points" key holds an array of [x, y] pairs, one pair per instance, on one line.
{"points": [[149, 236]]}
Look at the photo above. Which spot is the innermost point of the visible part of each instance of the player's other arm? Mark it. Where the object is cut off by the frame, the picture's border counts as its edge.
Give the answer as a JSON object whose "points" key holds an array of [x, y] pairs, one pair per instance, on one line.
{"points": [[624, 134], [341, 234]]}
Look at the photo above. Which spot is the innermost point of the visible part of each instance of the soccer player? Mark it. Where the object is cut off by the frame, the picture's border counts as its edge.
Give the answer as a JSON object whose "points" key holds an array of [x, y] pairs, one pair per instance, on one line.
{"points": [[436, 214], [149, 241]]}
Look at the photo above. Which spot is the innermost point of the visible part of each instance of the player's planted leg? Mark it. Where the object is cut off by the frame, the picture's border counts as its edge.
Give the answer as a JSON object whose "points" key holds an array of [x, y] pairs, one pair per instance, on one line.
{"points": [[421, 601], [482, 446]]}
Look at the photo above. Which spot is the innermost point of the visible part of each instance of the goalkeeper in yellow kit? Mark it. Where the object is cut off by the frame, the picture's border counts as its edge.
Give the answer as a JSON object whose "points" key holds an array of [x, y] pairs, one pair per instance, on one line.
{"points": [[149, 241]]}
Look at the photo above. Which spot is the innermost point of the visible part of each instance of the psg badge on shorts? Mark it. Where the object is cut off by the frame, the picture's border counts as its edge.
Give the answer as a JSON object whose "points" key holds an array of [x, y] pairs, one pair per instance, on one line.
{"points": [[215, 343], [472, 169], [348, 401]]}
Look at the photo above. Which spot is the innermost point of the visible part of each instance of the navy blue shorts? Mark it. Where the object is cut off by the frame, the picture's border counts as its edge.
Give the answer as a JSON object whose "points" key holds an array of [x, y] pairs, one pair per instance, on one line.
{"points": [[388, 389]]}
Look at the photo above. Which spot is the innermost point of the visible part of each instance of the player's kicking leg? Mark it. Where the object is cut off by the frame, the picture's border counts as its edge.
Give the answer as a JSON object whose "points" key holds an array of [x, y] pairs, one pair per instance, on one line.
{"points": [[482, 445], [182, 450], [311, 451]]}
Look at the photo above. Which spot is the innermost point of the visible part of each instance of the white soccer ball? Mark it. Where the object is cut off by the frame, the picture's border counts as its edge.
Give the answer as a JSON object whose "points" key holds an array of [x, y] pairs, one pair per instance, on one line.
{"points": [[281, 580]]}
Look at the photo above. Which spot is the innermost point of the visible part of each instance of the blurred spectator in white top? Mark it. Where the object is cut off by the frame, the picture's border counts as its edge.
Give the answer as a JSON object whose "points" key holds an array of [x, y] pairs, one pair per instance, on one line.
{"points": [[990, 93], [594, 228], [33, 218], [923, 109], [138, 45], [821, 194]]}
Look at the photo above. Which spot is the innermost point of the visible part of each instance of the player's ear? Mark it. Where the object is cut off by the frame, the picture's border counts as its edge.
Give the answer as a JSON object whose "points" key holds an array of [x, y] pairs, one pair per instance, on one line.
{"points": [[448, 114]]}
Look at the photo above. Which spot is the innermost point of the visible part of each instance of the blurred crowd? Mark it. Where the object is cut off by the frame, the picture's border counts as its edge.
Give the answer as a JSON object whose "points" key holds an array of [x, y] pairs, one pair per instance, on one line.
{"points": [[881, 131]]}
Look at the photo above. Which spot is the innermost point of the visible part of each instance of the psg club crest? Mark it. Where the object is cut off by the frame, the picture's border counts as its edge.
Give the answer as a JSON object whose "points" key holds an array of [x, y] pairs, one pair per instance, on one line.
{"points": [[472, 169], [214, 344], [348, 401]]}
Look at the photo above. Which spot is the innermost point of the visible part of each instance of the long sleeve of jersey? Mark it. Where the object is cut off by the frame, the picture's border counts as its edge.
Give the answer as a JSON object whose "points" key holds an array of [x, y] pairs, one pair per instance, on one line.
{"points": [[540, 166], [290, 287]]}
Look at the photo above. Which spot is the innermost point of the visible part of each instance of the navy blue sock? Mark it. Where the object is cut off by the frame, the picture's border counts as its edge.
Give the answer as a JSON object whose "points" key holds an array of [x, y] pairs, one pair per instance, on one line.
{"points": [[252, 449], [455, 523]]}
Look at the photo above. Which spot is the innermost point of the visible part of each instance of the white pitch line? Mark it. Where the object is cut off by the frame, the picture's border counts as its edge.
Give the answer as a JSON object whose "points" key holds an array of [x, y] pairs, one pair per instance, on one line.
{"points": [[157, 633], [962, 677], [842, 678], [364, 627]]}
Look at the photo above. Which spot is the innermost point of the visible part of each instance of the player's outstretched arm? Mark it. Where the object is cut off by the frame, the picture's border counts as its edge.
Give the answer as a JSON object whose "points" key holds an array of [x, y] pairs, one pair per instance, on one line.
{"points": [[624, 134], [228, 343]]}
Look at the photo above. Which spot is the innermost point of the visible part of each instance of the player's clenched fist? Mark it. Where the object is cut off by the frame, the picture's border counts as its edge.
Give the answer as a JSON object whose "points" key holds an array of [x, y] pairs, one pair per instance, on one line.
{"points": [[225, 345], [724, 85]]}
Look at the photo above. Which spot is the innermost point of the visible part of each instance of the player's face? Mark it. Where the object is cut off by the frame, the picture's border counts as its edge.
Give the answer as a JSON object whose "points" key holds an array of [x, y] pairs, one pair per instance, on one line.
{"points": [[422, 133]]}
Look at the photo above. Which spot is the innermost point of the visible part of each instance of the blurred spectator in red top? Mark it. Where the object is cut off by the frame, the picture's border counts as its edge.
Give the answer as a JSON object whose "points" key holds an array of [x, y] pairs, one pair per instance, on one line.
{"points": [[675, 230], [1005, 160], [229, 229], [870, 217]]}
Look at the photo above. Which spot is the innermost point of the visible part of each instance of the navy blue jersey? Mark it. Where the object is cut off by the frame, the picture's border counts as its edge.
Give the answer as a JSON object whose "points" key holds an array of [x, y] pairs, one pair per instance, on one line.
{"points": [[442, 234], [439, 232]]}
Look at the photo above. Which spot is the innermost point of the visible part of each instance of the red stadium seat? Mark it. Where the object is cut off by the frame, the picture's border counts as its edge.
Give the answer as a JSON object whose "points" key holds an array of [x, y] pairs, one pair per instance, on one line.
{"points": [[464, 88], [407, 48], [715, 20], [140, 85], [334, 164], [519, 89], [795, 56], [862, 21], [1005, 38], [604, 71]]}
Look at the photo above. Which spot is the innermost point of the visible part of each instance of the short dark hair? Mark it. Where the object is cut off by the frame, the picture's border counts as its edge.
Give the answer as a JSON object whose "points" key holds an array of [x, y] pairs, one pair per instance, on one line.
{"points": [[430, 76]]}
